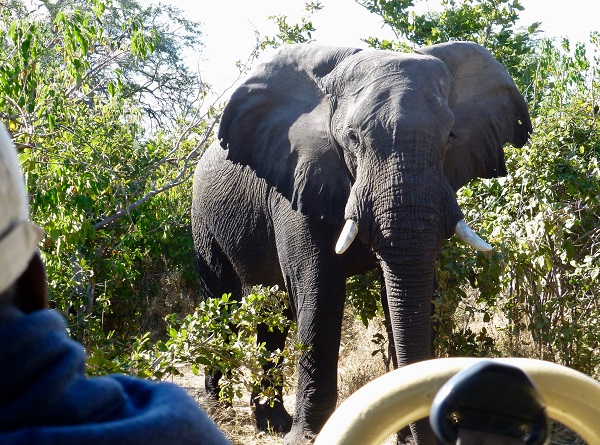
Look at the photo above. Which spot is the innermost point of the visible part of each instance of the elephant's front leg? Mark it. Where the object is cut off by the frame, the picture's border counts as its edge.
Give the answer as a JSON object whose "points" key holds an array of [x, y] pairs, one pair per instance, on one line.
{"points": [[316, 284], [319, 330]]}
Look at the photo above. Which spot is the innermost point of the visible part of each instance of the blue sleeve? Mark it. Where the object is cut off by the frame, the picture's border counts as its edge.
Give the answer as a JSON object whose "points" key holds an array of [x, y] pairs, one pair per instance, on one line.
{"points": [[153, 413], [46, 400]]}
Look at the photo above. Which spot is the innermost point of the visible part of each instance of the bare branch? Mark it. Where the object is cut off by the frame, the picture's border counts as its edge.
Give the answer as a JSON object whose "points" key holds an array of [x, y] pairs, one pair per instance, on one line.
{"points": [[181, 177]]}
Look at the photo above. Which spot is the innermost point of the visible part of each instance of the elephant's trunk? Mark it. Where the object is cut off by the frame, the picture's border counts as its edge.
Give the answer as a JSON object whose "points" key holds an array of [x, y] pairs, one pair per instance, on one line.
{"points": [[409, 286], [409, 221]]}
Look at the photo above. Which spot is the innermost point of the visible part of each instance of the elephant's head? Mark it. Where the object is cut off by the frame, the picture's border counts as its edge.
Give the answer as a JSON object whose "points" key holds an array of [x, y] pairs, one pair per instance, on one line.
{"points": [[384, 140]]}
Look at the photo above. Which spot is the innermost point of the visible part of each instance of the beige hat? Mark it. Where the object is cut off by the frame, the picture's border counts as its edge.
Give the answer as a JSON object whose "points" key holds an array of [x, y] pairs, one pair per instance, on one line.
{"points": [[18, 236]]}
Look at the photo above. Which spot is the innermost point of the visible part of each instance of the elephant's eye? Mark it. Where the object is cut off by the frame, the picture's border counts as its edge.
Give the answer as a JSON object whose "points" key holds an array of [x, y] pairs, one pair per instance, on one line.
{"points": [[450, 137], [353, 137]]}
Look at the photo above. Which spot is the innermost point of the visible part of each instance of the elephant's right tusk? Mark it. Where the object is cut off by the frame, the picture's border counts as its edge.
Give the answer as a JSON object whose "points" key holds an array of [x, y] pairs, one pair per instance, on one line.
{"points": [[467, 234], [346, 237]]}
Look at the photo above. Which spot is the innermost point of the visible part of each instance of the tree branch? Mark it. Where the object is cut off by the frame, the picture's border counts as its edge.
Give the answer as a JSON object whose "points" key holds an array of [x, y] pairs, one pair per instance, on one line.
{"points": [[181, 177]]}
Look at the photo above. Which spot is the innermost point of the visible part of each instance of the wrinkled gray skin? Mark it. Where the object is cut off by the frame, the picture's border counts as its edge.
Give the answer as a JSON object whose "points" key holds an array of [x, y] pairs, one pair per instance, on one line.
{"points": [[318, 135]]}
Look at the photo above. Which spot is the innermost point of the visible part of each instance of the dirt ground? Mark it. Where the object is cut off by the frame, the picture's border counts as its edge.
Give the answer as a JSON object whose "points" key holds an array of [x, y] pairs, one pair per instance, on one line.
{"points": [[357, 367], [236, 422]]}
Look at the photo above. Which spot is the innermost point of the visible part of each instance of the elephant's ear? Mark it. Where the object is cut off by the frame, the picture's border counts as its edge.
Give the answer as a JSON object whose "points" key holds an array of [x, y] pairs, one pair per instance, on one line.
{"points": [[277, 123], [489, 112]]}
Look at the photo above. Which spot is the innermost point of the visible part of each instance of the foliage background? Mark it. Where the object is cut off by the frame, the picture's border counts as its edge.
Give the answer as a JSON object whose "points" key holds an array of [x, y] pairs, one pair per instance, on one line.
{"points": [[109, 122]]}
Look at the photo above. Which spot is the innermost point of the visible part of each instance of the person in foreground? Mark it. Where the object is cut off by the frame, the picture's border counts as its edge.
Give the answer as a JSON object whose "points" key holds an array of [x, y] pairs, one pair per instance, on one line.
{"points": [[44, 396]]}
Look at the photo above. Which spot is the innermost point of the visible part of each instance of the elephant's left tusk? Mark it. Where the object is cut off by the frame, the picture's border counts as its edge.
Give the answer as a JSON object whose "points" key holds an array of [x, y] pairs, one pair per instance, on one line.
{"points": [[346, 237], [466, 234]]}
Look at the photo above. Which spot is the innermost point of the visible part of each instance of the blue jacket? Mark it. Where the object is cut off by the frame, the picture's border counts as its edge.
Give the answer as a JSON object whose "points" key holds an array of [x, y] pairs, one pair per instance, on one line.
{"points": [[45, 398]]}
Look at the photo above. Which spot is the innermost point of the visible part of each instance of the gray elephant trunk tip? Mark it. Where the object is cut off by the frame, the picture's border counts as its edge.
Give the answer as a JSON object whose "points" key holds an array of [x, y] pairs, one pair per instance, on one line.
{"points": [[468, 236], [348, 234]]}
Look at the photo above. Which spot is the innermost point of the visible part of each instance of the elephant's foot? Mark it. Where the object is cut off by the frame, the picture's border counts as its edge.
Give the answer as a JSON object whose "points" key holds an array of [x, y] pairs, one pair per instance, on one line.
{"points": [[404, 437], [272, 419], [422, 433], [215, 404], [299, 436], [211, 384]]}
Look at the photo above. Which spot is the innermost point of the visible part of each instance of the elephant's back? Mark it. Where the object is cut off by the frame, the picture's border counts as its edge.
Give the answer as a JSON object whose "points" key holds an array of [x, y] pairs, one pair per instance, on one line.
{"points": [[212, 162]]}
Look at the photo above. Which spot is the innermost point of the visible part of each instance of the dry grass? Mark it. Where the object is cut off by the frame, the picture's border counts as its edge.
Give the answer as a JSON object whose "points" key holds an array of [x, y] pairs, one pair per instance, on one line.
{"points": [[357, 367]]}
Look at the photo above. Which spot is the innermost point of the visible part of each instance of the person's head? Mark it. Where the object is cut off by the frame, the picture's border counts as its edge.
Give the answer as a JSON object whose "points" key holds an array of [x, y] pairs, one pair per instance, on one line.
{"points": [[22, 277]]}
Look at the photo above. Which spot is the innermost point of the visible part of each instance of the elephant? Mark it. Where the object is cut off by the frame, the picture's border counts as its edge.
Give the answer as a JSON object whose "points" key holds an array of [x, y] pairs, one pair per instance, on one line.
{"points": [[331, 161]]}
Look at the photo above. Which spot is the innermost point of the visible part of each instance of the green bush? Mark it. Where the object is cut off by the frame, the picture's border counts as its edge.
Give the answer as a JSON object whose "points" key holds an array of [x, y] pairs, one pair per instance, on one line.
{"points": [[219, 334], [105, 187]]}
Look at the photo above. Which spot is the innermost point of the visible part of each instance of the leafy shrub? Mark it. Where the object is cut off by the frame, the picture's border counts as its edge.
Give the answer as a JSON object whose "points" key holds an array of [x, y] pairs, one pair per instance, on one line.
{"points": [[105, 187], [220, 334]]}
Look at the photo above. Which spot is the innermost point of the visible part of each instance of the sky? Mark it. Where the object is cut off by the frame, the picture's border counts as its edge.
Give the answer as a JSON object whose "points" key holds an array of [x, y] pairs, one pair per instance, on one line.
{"points": [[229, 26]]}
